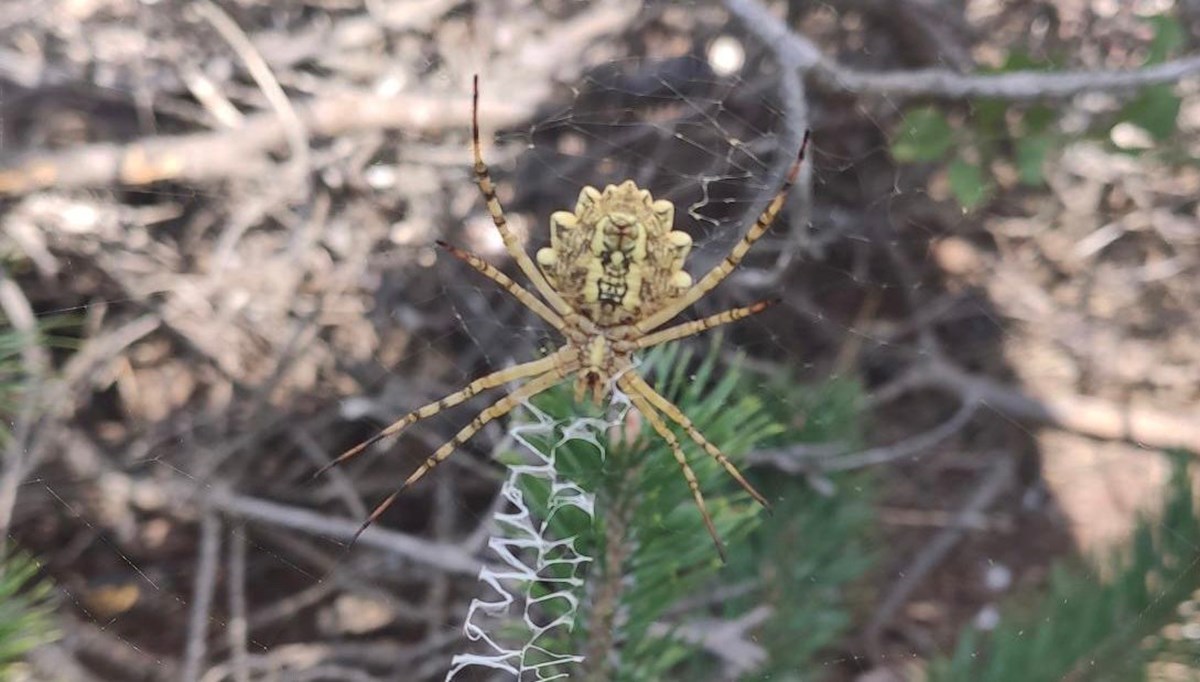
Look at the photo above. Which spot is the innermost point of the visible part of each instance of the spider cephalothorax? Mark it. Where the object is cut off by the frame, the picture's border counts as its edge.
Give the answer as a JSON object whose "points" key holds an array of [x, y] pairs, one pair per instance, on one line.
{"points": [[612, 275]]}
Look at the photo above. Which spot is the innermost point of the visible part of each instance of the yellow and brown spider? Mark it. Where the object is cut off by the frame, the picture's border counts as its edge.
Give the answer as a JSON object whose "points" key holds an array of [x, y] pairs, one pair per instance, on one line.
{"points": [[613, 274]]}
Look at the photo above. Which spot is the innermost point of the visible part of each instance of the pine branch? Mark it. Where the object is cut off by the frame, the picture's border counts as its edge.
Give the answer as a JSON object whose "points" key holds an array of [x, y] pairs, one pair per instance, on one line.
{"points": [[1085, 629], [26, 602], [26, 611], [644, 602]]}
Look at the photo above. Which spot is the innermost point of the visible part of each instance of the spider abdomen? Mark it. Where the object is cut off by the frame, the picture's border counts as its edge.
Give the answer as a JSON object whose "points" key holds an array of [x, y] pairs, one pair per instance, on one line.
{"points": [[615, 258], [618, 249]]}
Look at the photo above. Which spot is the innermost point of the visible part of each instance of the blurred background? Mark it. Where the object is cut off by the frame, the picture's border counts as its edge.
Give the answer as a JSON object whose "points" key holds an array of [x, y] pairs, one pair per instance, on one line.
{"points": [[976, 404]]}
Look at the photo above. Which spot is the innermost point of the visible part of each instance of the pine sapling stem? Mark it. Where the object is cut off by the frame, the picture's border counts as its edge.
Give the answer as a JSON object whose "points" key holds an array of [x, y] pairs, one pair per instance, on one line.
{"points": [[600, 661]]}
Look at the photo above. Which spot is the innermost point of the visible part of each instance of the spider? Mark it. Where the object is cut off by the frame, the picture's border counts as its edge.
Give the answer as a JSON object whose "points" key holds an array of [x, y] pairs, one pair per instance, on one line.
{"points": [[612, 275]]}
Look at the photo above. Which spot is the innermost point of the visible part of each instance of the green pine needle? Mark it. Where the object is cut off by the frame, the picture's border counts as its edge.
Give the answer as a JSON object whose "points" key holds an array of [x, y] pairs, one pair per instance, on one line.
{"points": [[1088, 629], [26, 612], [799, 560], [26, 601]]}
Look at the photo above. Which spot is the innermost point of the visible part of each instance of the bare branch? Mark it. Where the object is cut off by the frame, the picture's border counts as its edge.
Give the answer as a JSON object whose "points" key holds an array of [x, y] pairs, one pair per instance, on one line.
{"points": [[238, 624], [998, 479], [294, 128], [942, 83], [451, 558], [202, 596], [1094, 417], [821, 458], [1085, 415], [200, 157]]}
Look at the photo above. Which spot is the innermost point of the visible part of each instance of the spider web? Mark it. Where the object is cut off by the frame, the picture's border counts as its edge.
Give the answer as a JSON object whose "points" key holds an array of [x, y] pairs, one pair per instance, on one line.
{"points": [[244, 331], [533, 558]]}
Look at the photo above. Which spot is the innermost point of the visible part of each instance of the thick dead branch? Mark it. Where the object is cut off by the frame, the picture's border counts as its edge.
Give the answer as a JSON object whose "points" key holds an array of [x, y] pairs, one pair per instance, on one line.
{"points": [[1088, 416], [1093, 417], [942, 83], [203, 157], [200, 157]]}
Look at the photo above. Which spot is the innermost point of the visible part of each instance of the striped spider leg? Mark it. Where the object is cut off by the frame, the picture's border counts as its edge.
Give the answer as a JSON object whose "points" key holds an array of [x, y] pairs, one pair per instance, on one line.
{"points": [[612, 275]]}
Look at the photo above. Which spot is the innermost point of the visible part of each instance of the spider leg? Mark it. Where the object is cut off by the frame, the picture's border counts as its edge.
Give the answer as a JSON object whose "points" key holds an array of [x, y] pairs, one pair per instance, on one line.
{"points": [[635, 385], [498, 378], [498, 409], [484, 179], [521, 293], [664, 431], [722, 270], [686, 329]]}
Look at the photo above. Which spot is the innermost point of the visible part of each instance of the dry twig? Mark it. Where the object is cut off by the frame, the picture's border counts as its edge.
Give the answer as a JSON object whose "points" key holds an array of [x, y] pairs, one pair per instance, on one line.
{"points": [[92, 640], [296, 133], [802, 460], [238, 624], [202, 596], [450, 558], [997, 480]]}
